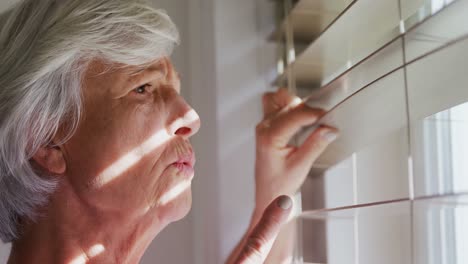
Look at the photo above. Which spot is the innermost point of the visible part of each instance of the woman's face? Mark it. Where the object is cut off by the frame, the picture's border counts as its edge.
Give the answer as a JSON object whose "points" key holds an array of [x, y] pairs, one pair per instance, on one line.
{"points": [[130, 154]]}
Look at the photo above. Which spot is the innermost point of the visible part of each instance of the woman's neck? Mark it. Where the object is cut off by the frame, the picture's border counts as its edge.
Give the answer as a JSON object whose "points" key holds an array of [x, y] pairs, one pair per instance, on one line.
{"points": [[70, 232]]}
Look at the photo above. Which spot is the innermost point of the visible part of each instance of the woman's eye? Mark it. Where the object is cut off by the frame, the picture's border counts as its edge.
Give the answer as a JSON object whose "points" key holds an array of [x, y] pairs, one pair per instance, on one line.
{"points": [[142, 89]]}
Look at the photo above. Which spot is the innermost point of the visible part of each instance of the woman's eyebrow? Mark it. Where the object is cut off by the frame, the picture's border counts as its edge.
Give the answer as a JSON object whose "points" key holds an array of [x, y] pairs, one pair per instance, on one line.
{"points": [[144, 76]]}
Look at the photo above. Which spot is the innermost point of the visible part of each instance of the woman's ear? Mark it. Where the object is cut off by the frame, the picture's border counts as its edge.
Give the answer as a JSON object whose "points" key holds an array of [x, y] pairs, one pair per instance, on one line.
{"points": [[51, 159]]}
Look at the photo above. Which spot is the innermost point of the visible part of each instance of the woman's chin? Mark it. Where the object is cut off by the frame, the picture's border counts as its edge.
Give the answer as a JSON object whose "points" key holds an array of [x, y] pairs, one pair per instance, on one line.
{"points": [[178, 208]]}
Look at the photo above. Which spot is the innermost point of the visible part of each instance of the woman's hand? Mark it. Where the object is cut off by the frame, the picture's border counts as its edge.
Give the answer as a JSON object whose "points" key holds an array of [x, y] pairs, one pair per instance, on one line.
{"points": [[260, 240], [281, 168]]}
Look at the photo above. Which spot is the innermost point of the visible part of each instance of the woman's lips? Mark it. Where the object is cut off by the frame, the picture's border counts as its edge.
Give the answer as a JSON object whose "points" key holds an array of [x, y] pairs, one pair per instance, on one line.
{"points": [[188, 160], [185, 165]]}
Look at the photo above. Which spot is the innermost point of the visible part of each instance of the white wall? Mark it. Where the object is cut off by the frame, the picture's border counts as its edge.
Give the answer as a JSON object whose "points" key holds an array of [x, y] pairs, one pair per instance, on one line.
{"points": [[242, 65], [229, 68]]}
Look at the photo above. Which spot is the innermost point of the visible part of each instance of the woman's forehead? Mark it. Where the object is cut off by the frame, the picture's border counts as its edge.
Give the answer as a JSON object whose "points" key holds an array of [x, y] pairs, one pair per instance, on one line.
{"points": [[119, 76], [99, 66]]}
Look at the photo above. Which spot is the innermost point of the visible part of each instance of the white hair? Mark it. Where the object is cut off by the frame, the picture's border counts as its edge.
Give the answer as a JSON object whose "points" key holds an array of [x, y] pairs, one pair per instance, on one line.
{"points": [[45, 47]]}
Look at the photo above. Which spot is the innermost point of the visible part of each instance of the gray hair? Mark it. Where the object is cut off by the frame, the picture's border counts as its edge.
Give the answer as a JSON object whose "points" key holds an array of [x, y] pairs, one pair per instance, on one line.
{"points": [[45, 46]]}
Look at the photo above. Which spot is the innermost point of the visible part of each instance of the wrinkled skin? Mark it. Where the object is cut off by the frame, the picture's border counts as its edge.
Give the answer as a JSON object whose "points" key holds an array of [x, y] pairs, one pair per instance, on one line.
{"points": [[281, 169], [126, 172], [118, 119]]}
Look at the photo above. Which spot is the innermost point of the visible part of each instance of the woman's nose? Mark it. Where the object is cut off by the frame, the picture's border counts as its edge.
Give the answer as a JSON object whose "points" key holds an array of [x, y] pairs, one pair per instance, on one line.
{"points": [[190, 124], [186, 124]]}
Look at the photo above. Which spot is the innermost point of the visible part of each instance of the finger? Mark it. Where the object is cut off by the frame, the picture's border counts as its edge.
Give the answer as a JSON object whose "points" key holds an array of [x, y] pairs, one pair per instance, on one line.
{"points": [[264, 234], [275, 102], [283, 127], [269, 105], [314, 146]]}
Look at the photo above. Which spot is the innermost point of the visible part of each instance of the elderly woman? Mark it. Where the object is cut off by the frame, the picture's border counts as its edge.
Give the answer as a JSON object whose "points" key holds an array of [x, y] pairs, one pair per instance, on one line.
{"points": [[95, 158]]}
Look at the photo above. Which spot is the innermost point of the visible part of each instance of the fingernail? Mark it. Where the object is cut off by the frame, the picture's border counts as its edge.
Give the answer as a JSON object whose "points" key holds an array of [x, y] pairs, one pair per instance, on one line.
{"points": [[330, 135], [296, 101], [284, 202]]}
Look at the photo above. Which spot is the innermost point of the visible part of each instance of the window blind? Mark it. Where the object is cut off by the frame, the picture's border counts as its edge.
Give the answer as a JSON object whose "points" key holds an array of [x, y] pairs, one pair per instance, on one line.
{"points": [[392, 76]]}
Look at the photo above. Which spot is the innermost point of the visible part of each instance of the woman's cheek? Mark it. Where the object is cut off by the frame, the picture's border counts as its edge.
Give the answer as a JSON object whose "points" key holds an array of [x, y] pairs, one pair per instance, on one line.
{"points": [[172, 194]]}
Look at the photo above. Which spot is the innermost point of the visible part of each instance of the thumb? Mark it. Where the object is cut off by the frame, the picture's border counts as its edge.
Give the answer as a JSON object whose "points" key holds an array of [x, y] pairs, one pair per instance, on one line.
{"points": [[260, 241]]}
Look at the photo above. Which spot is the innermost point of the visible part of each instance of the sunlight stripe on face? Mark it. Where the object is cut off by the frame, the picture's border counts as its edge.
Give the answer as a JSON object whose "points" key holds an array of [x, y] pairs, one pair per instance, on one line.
{"points": [[93, 252], [189, 118], [81, 259], [96, 250], [133, 157], [175, 192]]}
